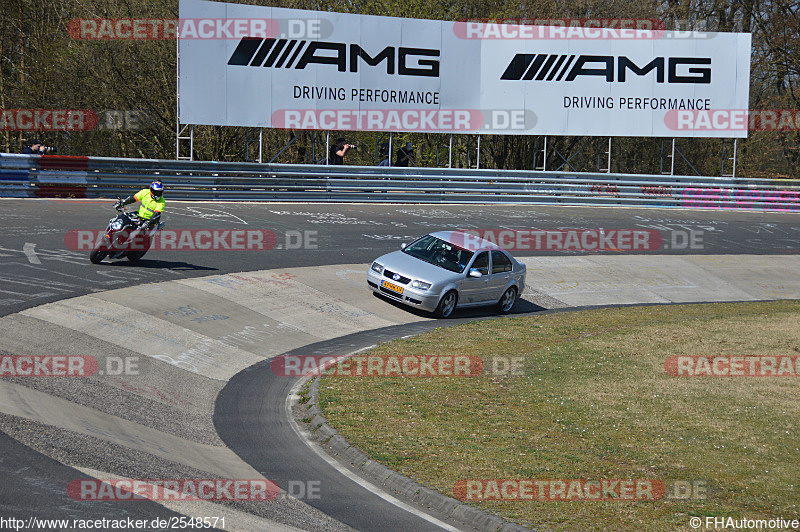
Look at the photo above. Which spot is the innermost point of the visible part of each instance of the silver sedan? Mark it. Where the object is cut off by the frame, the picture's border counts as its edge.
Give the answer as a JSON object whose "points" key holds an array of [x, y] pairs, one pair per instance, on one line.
{"points": [[448, 269]]}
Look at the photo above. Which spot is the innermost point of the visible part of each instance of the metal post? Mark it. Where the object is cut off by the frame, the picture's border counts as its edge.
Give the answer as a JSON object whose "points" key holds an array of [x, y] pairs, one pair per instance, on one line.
{"points": [[177, 99], [450, 157], [327, 147], [390, 148], [260, 143], [608, 170], [178, 130], [478, 159], [734, 158], [544, 155], [672, 163]]}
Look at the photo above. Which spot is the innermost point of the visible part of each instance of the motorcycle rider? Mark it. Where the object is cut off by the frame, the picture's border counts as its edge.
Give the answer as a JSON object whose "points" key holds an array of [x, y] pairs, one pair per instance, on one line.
{"points": [[152, 204]]}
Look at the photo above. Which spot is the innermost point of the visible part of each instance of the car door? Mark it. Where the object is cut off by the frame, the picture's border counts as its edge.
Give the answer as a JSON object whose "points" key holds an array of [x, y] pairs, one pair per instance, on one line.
{"points": [[500, 275], [474, 289]]}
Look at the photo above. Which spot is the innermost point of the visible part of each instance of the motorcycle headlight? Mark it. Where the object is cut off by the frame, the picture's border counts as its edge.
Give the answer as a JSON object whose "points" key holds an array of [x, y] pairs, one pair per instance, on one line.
{"points": [[377, 268], [420, 285], [116, 225]]}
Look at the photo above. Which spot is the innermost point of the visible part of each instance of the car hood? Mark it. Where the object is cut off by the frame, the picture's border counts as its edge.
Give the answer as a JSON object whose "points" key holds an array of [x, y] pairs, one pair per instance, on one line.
{"points": [[408, 266]]}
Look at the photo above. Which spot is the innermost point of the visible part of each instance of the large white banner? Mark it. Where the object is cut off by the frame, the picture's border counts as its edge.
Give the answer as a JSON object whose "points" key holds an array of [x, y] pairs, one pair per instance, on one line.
{"points": [[260, 66]]}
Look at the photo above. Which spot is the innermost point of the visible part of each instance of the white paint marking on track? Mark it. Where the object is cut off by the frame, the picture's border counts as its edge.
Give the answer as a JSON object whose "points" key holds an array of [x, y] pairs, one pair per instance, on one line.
{"points": [[30, 252], [349, 474], [344, 275], [210, 214]]}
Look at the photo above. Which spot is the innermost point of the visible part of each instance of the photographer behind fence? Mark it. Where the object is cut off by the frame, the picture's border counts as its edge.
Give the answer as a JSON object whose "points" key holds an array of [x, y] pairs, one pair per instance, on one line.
{"points": [[339, 150], [405, 155], [35, 147]]}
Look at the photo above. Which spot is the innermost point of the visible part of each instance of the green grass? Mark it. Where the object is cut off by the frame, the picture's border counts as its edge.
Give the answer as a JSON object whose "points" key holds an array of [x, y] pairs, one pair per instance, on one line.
{"points": [[594, 402]]}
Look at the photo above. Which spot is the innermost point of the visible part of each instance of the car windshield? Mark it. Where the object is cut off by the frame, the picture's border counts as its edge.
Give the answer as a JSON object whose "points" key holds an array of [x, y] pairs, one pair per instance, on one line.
{"points": [[440, 253]]}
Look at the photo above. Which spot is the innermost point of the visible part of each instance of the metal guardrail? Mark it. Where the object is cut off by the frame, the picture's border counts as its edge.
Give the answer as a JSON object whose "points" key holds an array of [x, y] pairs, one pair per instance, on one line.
{"points": [[103, 177]]}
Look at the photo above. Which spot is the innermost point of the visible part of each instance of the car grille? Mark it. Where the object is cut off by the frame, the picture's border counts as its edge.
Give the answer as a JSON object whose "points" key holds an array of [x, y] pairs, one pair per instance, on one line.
{"points": [[390, 275]]}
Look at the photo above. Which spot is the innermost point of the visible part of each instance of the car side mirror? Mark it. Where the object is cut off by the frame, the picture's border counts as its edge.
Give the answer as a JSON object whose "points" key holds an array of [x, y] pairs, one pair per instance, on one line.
{"points": [[473, 272], [403, 245]]}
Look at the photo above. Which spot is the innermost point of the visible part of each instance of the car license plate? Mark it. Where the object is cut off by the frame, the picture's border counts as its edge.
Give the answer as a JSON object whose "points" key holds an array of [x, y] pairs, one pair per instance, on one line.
{"points": [[393, 287]]}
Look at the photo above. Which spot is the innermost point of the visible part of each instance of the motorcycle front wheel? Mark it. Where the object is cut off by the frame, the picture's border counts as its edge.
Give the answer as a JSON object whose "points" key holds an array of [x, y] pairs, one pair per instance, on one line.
{"points": [[98, 254]]}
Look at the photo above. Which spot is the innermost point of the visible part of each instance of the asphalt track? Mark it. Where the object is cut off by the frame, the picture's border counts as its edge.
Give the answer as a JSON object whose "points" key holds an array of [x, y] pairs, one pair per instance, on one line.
{"points": [[36, 267], [41, 457]]}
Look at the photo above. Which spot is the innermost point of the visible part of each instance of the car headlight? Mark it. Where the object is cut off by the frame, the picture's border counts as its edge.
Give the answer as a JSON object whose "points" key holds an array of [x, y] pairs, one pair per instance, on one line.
{"points": [[376, 268], [420, 285]]}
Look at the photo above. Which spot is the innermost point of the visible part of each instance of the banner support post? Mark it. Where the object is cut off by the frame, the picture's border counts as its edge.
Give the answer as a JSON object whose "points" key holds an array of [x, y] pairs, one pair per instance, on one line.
{"points": [[544, 155], [672, 163], [450, 157]]}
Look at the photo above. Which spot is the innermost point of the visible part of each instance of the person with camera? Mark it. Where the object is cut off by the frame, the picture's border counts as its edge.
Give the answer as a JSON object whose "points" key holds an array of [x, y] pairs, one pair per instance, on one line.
{"points": [[35, 147], [339, 150]]}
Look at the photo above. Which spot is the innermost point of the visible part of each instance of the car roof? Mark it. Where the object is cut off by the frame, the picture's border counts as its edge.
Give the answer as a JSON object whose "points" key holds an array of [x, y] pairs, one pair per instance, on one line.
{"points": [[466, 239]]}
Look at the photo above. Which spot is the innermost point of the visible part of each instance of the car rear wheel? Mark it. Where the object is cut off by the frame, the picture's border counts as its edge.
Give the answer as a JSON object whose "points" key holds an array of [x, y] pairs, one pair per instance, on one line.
{"points": [[506, 302], [446, 305]]}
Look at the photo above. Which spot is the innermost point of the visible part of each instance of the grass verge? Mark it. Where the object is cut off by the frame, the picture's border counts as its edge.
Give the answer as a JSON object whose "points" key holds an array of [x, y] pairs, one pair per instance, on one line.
{"points": [[594, 401]]}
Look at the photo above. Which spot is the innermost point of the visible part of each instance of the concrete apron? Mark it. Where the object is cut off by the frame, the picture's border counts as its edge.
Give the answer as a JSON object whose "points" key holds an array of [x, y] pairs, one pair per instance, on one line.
{"points": [[186, 338]]}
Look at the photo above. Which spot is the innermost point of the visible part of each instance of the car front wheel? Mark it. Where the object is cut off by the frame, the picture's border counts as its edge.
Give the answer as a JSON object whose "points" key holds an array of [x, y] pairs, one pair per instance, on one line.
{"points": [[446, 305]]}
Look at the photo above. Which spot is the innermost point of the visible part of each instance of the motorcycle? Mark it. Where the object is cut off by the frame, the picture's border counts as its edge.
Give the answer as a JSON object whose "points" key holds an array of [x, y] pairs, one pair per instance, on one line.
{"points": [[126, 236]]}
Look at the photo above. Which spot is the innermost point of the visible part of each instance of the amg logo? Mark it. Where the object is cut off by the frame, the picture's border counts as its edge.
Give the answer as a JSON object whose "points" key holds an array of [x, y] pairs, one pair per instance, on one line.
{"points": [[554, 67], [284, 53]]}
